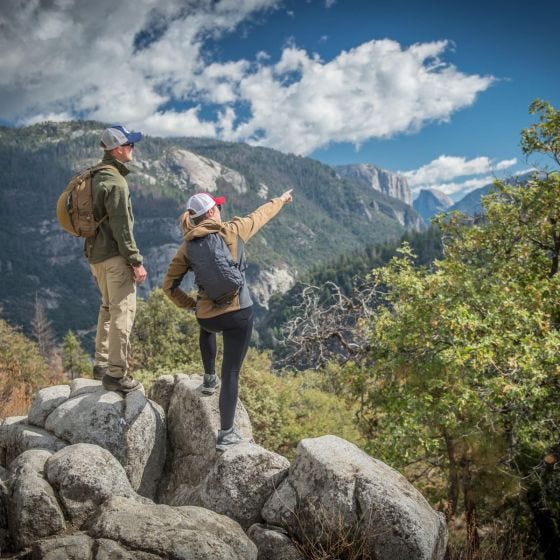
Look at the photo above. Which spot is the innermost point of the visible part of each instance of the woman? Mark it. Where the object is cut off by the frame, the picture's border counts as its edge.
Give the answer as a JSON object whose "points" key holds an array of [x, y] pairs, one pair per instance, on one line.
{"points": [[232, 316]]}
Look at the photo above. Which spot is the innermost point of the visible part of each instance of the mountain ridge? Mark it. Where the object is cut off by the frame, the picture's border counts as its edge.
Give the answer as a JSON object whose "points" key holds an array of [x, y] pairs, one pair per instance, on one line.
{"points": [[330, 215]]}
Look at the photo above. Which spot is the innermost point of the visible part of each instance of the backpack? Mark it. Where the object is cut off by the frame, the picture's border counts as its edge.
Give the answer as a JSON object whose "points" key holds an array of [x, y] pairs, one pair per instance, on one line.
{"points": [[214, 269], [74, 208]]}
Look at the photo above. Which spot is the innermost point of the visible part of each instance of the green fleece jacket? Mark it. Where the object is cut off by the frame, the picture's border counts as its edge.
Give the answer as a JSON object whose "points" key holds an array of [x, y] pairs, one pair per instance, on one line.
{"points": [[112, 199]]}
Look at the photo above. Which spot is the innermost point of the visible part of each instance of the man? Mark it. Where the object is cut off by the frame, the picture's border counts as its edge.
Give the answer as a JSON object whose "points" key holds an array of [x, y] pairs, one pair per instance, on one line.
{"points": [[115, 261], [234, 316]]}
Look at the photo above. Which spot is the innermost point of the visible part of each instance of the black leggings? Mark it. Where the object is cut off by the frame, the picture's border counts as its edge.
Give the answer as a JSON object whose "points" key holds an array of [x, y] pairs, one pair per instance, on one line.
{"points": [[236, 327]]}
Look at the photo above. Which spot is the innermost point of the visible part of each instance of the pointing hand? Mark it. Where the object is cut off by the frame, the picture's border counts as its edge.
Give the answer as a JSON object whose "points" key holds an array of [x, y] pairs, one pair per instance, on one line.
{"points": [[287, 196]]}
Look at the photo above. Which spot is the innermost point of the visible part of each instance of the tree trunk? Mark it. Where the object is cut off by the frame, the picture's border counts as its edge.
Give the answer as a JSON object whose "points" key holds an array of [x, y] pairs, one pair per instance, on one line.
{"points": [[473, 542], [453, 480], [549, 536]]}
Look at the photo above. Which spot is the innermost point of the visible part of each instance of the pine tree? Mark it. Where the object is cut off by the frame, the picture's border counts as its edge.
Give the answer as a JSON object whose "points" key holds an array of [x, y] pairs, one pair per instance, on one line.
{"points": [[42, 330], [75, 360]]}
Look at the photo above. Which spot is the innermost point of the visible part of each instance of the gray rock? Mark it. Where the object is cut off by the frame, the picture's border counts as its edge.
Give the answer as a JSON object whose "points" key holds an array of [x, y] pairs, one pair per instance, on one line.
{"points": [[4, 496], [83, 386], [84, 476], [45, 401], [106, 549], [32, 459], [333, 488], [273, 543], [186, 532], [131, 428], [16, 436], [370, 176], [71, 547], [33, 510], [162, 390], [193, 420], [4, 475], [145, 439], [239, 483], [96, 418], [431, 202]]}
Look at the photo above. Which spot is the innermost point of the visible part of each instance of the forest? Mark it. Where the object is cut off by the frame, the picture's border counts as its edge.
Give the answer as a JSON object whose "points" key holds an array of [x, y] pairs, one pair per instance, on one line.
{"points": [[439, 357]]}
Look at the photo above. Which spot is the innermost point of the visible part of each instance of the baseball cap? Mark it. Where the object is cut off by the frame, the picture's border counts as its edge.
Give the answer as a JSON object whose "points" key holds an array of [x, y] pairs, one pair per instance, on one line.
{"points": [[198, 204], [117, 135]]}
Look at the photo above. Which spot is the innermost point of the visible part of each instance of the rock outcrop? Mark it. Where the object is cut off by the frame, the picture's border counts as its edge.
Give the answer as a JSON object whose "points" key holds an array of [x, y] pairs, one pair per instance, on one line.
{"points": [[131, 428], [239, 483], [370, 176], [431, 202], [146, 483], [197, 173], [334, 488], [193, 420], [184, 532]]}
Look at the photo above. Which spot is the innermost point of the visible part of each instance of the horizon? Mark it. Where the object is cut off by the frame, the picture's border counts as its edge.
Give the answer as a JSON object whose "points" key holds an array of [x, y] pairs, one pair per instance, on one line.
{"points": [[436, 93]]}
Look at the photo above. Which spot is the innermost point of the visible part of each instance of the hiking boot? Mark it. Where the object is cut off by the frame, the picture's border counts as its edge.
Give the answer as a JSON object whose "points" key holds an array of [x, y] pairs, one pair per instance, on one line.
{"points": [[227, 439], [124, 384], [99, 372], [209, 384]]}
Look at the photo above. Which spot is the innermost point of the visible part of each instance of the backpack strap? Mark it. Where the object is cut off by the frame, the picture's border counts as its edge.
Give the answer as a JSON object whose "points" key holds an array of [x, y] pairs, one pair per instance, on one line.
{"points": [[241, 254], [94, 170]]}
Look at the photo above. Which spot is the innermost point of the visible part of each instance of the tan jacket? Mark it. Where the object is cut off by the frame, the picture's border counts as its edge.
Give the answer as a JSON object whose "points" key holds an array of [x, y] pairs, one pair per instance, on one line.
{"points": [[245, 228]]}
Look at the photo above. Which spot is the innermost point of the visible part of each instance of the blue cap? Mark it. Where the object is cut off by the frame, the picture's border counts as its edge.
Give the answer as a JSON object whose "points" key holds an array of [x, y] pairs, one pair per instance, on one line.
{"points": [[117, 135]]}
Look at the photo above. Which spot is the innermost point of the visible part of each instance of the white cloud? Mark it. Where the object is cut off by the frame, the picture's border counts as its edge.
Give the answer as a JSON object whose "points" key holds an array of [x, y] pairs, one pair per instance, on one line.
{"points": [[376, 90], [148, 59], [83, 58], [463, 187], [449, 167], [438, 173]]}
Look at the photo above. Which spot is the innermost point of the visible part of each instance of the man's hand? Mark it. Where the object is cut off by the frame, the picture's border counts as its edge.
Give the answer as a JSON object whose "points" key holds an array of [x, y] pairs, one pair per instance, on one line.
{"points": [[287, 196], [139, 273]]}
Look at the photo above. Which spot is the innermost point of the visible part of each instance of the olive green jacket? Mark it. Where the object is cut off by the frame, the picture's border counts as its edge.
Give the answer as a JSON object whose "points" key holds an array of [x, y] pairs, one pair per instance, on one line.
{"points": [[231, 231], [112, 199]]}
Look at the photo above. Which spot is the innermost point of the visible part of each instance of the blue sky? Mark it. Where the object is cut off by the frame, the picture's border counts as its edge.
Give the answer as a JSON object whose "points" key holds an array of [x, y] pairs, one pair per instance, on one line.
{"points": [[436, 90]]}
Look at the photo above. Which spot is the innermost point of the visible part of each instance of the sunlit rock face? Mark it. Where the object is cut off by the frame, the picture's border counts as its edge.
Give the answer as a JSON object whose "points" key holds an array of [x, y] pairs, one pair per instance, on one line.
{"points": [[391, 184], [193, 172]]}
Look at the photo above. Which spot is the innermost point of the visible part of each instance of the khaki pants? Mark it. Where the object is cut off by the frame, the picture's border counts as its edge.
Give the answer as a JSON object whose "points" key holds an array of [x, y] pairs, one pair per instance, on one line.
{"points": [[116, 314]]}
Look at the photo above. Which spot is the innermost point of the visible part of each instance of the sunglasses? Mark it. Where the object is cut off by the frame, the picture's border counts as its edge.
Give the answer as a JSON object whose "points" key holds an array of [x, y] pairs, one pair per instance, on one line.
{"points": [[131, 144]]}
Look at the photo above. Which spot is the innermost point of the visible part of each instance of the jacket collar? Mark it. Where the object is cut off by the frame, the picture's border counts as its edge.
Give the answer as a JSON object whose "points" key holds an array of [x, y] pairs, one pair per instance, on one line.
{"points": [[121, 168], [203, 229]]}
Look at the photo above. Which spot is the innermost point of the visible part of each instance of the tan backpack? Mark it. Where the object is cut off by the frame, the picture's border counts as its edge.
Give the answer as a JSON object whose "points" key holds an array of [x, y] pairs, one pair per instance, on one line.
{"points": [[74, 208]]}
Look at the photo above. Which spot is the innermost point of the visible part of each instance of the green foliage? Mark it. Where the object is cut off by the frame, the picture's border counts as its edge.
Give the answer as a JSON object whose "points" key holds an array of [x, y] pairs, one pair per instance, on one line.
{"points": [[284, 410], [543, 136], [347, 272], [462, 373], [75, 360], [164, 337]]}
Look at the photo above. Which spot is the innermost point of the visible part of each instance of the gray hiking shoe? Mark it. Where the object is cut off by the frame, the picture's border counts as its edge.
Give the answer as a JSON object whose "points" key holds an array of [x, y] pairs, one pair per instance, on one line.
{"points": [[227, 439], [209, 384], [124, 384], [99, 372]]}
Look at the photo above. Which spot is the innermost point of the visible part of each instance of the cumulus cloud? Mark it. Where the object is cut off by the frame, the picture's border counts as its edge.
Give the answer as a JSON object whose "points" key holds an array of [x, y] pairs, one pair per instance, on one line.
{"points": [[109, 60], [438, 173], [147, 66], [376, 90]]}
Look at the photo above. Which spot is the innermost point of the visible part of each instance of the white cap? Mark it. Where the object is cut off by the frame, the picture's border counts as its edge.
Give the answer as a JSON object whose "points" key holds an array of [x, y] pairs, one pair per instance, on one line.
{"points": [[198, 204]]}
